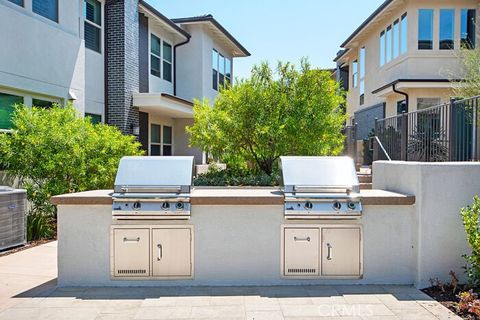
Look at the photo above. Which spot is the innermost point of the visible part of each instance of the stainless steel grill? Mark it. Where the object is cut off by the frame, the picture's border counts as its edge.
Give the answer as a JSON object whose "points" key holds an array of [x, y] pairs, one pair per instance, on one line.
{"points": [[153, 188], [320, 188]]}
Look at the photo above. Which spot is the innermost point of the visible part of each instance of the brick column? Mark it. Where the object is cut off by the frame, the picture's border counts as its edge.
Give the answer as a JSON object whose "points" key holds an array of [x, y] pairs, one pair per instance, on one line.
{"points": [[122, 76]]}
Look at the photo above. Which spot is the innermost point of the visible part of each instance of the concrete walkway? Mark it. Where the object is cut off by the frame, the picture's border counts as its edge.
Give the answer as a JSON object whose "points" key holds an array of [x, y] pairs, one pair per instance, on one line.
{"points": [[27, 291]]}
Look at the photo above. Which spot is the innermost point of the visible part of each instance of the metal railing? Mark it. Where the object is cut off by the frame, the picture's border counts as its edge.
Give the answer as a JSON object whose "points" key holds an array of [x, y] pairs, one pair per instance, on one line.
{"points": [[448, 132]]}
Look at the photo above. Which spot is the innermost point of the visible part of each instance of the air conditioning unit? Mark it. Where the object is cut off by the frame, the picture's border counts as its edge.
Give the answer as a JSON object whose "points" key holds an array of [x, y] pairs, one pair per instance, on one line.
{"points": [[13, 231]]}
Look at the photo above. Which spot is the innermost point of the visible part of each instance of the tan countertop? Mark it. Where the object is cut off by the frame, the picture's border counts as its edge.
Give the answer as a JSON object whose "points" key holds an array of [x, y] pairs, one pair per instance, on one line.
{"points": [[233, 196]]}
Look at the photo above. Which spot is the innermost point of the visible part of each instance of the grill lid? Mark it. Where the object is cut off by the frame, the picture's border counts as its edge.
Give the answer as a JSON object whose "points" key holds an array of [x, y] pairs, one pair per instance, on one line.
{"points": [[154, 175], [319, 175]]}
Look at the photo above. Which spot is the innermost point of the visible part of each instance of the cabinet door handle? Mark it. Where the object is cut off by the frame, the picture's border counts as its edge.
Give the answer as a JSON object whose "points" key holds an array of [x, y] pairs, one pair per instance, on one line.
{"points": [[329, 252], [131, 240], [160, 252], [302, 239]]}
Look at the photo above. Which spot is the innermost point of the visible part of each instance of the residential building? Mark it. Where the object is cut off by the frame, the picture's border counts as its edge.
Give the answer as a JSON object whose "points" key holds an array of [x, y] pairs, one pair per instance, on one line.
{"points": [[118, 61], [404, 57]]}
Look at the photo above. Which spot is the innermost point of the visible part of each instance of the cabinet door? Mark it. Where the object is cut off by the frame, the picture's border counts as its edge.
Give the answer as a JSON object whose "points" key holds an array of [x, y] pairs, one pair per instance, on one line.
{"points": [[171, 252], [131, 252], [302, 251], [341, 252]]}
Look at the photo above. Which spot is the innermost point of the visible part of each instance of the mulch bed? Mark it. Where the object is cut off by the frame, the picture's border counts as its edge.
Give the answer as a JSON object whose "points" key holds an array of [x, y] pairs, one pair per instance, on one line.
{"points": [[28, 245], [449, 300]]}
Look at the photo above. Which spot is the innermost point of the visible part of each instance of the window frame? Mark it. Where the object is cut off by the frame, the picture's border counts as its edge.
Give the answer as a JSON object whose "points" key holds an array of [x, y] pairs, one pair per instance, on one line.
{"points": [[57, 13], [361, 73], [156, 56], [217, 74], [165, 61], [404, 33], [160, 144], [10, 120], [94, 25], [382, 48], [441, 42], [464, 41], [18, 4], [389, 44], [355, 73], [420, 45]]}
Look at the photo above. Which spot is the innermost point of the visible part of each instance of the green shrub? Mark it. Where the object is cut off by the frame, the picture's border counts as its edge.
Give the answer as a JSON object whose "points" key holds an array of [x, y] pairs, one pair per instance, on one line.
{"points": [[236, 177], [470, 216], [53, 151]]}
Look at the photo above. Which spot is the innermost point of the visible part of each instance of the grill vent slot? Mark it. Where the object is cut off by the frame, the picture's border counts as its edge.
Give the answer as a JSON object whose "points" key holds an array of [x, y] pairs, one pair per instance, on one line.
{"points": [[132, 271], [303, 271]]}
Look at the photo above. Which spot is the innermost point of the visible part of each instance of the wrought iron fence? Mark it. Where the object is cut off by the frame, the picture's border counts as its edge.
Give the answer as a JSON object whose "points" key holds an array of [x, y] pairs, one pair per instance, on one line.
{"points": [[447, 132]]}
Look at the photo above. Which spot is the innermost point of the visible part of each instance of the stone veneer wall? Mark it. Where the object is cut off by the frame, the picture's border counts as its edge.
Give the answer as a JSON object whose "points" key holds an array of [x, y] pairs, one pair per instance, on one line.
{"points": [[122, 34]]}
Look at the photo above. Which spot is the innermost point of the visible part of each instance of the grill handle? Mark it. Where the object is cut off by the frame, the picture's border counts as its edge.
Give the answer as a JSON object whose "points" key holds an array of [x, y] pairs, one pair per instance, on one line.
{"points": [[323, 189], [150, 189], [302, 239], [329, 251], [160, 252]]}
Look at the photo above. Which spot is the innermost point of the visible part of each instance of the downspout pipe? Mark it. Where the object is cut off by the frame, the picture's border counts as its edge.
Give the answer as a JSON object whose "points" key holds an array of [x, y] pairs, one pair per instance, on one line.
{"points": [[175, 64], [407, 98]]}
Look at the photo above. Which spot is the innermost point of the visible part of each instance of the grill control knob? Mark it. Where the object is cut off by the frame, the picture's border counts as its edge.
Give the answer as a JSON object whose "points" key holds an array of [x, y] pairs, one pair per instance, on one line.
{"points": [[308, 205], [179, 205], [165, 206], [337, 206], [351, 206], [136, 205]]}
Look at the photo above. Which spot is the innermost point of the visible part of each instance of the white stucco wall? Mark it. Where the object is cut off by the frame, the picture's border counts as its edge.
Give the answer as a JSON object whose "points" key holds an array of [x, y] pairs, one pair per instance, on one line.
{"points": [[194, 67], [441, 189], [43, 57], [233, 245]]}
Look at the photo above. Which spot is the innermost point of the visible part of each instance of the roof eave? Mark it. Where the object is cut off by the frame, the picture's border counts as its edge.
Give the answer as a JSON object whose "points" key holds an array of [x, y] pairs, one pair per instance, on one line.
{"points": [[168, 21], [379, 10], [217, 25]]}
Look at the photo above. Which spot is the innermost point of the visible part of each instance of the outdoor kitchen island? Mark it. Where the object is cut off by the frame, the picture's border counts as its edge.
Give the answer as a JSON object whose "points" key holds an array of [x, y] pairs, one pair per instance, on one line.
{"points": [[235, 236]]}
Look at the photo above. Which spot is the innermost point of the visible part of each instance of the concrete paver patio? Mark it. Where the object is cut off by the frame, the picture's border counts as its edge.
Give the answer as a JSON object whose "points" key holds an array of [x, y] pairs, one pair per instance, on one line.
{"points": [[28, 291]]}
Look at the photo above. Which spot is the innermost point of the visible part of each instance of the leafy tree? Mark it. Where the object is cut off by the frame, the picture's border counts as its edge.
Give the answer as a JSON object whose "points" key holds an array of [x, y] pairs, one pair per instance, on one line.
{"points": [[469, 61], [286, 112], [53, 151]]}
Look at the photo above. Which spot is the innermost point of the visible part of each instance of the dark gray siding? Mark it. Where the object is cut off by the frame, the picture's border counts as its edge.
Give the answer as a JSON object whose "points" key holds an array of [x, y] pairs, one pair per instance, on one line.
{"points": [[143, 54], [365, 119], [122, 62]]}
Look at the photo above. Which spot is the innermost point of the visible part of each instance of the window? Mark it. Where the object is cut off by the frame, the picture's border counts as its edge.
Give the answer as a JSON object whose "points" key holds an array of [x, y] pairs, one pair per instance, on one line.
{"points": [[215, 70], [355, 73], [161, 142], [154, 55], [7, 103], [221, 70], [425, 29], [42, 103], [382, 48], [362, 75], [155, 142], [167, 141], [404, 34], [93, 24], [468, 22], [46, 8], [402, 107], [94, 118], [228, 72], [167, 61], [396, 39], [447, 27], [19, 2], [389, 44], [424, 103]]}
